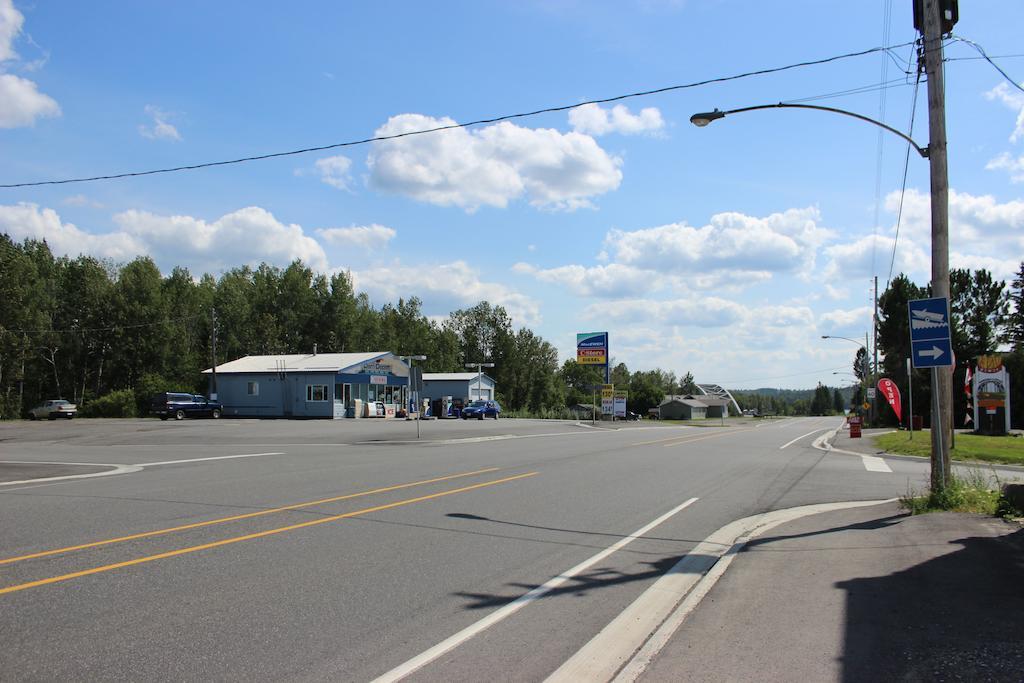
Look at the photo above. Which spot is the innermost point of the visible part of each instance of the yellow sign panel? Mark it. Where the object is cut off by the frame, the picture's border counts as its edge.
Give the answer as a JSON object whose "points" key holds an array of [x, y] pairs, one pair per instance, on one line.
{"points": [[607, 391], [591, 357]]}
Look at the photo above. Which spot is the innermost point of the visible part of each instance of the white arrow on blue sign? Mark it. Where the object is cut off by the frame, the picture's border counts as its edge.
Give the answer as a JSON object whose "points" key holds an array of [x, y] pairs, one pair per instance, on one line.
{"points": [[929, 333]]}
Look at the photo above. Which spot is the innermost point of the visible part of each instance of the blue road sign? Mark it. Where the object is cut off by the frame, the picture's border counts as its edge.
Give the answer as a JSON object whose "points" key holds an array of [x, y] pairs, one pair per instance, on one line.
{"points": [[929, 333]]}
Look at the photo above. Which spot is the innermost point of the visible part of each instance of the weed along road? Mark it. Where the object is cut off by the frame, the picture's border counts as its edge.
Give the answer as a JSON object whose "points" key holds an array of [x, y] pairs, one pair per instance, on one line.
{"points": [[277, 550]]}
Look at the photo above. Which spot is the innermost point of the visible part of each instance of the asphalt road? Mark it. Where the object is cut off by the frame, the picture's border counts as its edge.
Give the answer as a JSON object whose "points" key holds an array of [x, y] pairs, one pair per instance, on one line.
{"points": [[285, 550]]}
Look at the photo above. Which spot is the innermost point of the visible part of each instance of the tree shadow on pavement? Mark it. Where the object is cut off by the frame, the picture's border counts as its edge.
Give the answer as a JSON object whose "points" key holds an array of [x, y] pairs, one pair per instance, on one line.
{"points": [[958, 617], [580, 585]]}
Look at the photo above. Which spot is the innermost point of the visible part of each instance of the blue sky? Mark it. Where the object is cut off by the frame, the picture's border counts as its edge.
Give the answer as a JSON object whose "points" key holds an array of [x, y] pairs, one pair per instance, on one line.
{"points": [[726, 251]]}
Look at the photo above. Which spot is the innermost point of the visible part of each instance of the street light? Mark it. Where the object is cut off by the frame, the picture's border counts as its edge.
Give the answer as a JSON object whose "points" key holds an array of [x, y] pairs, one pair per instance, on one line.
{"points": [[479, 374], [704, 118], [865, 369], [935, 22]]}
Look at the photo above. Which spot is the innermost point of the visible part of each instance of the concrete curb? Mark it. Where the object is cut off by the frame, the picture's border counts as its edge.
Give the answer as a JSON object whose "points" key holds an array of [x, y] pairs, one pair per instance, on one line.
{"points": [[624, 649]]}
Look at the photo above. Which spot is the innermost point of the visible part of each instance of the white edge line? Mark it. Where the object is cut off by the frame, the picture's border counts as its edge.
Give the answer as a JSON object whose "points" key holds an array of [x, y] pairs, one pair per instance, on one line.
{"points": [[465, 634], [790, 443], [118, 469], [219, 457], [725, 543]]}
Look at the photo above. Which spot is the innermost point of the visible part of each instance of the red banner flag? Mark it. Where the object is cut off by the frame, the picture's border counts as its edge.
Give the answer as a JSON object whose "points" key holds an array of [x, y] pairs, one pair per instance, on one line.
{"points": [[892, 395]]}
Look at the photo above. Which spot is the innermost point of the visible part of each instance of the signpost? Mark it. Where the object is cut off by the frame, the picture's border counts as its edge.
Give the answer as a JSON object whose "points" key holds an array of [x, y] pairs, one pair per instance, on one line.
{"points": [[929, 333], [931, 347], [607, 399], [620, 397]]}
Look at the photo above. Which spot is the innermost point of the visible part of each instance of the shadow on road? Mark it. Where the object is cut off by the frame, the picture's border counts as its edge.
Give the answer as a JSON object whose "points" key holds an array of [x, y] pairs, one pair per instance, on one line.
{"points": [[958, 617]]}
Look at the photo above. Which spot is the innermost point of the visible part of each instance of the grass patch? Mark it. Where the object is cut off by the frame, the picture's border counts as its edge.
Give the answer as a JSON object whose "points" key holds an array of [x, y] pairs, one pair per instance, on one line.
{"points": [[974, 492], [1007, 450]]}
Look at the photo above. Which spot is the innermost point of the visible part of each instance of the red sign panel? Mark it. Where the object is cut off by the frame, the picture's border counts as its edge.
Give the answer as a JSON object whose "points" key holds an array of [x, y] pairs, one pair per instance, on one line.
{"points": [[892, 395]]}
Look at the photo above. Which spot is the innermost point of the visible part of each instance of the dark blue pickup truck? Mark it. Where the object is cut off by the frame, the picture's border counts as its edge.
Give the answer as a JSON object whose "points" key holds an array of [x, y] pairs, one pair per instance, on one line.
{"points": [[180, 405]]}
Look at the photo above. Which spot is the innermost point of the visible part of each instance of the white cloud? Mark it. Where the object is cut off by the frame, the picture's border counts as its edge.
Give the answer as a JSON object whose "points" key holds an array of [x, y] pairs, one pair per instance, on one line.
{"points": [[334, 171], [10, 26], [695, 312], [1006, 162], [161, 128], [611, 281], [21, 103], [246, 236], [362, 236], [591, 119], [975, 222], [1014, 99], [781, 242], [845, 320], [28, 221], [490, 166], [444, 288], [81, 200], [851, 262]]}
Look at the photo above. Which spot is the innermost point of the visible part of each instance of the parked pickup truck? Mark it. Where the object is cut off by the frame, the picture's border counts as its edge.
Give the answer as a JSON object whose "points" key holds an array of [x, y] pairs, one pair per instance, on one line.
{"points": [[181, 405]]}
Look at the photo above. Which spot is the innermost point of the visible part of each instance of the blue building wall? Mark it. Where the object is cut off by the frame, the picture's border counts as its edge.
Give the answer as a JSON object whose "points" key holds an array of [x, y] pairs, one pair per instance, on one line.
{"points": [[286, 396]]}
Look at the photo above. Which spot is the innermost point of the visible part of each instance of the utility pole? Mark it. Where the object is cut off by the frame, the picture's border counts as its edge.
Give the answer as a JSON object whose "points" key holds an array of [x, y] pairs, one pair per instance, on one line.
{"points": [[213, 352], [874, 348], [934, 12]]}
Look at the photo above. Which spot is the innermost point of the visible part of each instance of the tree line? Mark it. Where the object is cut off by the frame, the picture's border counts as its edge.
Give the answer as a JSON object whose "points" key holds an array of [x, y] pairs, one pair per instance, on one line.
{"points": [[986, 317]]}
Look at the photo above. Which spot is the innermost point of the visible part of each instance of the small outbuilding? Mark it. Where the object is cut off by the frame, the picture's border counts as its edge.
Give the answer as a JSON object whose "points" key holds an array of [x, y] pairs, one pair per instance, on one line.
{"points": [[682, 408], [467, 386]]}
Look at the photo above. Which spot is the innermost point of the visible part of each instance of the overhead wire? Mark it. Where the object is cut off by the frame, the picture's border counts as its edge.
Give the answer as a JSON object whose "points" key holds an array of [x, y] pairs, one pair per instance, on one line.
{"points": [[988, 59], [903, 186], [436, 129]]}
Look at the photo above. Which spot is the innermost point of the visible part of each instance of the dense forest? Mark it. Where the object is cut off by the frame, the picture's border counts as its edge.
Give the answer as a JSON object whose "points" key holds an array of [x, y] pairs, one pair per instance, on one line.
{"points": [[107, 336]]}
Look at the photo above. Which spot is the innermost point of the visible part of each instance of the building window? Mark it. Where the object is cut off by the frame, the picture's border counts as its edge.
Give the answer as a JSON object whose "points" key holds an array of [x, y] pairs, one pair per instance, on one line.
{"points": [[252, 388], [316, 392]]}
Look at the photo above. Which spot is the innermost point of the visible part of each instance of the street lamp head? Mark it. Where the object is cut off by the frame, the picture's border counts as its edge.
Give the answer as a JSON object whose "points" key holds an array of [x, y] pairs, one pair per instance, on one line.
{"points": [[414, 357], [704, 118]]}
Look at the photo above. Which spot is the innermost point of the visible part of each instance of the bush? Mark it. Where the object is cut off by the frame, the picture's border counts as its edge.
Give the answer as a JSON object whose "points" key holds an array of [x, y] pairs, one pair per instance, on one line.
{"points": [[115, 404]]}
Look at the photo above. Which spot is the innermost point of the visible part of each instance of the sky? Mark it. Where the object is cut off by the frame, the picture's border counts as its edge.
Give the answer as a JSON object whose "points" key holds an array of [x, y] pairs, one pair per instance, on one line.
{"points": [[725, 251]]}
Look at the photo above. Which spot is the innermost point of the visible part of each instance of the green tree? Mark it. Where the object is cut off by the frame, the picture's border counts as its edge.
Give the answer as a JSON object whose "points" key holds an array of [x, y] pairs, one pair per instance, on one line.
{"points": [[1013, 332]]}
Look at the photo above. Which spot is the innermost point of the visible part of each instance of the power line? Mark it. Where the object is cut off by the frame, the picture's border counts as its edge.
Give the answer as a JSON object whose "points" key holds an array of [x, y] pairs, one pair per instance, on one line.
{"points": [[874, 87], [479, 122], [988, 59], [903, 188]]}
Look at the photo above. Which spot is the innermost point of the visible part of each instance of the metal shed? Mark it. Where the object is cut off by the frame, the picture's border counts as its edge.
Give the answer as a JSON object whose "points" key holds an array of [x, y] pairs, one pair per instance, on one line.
{"points": [[458, 385]]}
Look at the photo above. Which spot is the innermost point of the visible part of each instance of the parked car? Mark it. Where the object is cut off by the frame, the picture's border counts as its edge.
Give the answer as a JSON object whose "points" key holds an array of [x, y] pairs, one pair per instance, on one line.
{"points": [[53, 409], [180, 405], [632, 417], [481, 409]]}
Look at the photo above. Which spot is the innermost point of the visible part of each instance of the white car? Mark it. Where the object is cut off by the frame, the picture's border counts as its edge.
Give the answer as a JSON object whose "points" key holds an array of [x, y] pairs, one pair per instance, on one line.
{"points": [[53, 409]]}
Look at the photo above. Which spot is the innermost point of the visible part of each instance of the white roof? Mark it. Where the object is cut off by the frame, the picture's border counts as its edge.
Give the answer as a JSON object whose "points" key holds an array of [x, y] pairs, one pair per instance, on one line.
{"points": [[299, 362], [452, 377]]}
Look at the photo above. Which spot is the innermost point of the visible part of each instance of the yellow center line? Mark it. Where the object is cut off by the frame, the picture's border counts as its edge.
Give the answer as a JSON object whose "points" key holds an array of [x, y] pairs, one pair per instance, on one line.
{"points": [[235, 518], [249, 537]]}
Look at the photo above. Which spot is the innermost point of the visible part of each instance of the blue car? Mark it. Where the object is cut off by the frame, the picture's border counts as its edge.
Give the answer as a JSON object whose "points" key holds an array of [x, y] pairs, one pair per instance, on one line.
{"points": [[481, 409]]}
